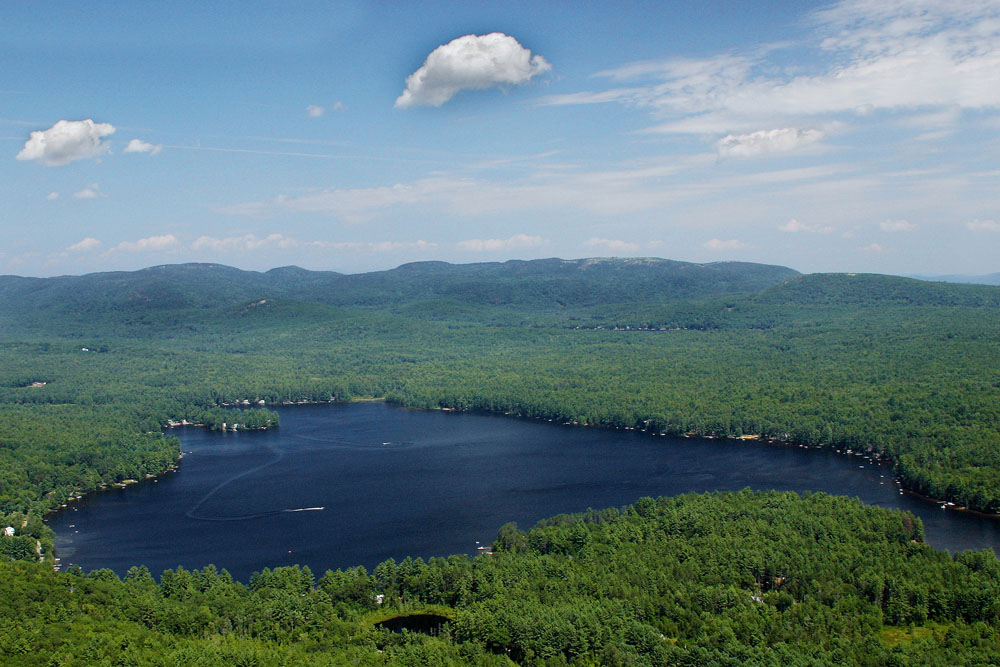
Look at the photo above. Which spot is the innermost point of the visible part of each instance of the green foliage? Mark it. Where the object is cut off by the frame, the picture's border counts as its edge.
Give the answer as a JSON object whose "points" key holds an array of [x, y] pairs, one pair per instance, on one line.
{"points": [[736, 578], [93, 367]]}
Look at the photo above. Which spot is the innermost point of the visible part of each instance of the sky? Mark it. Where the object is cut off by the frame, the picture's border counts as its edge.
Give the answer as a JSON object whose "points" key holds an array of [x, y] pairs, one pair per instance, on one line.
{"points": [[358, 136]]}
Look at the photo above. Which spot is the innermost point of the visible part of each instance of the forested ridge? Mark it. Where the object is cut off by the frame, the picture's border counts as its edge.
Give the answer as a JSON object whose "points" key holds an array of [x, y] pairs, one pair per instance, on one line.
{"points": [[92, 367], [749, 578]]}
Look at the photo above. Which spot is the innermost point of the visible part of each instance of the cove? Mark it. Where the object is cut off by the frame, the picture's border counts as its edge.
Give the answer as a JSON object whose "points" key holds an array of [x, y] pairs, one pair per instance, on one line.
{"points": [[340, 485]]}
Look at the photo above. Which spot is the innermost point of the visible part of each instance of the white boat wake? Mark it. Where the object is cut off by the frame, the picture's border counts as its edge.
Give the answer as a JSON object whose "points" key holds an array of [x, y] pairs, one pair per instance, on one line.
{"points": [[193, 512]]}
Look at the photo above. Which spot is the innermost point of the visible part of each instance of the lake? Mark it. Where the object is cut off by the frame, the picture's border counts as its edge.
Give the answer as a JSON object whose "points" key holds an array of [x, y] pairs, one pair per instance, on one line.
{"points": [[394, 482]]}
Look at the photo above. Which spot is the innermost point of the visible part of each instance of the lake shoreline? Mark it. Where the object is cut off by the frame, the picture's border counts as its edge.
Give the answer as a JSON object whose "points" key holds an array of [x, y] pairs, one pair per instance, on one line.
{"points": [[785, 470], [755, 439]]}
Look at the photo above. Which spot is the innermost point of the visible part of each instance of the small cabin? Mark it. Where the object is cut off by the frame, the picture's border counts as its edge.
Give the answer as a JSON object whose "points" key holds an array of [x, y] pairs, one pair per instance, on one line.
{"points": [[8, 531]]}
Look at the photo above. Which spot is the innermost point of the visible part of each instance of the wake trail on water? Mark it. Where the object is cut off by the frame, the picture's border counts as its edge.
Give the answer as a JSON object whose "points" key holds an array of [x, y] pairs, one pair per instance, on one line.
{"points": [[278, 455], [341, 443]]}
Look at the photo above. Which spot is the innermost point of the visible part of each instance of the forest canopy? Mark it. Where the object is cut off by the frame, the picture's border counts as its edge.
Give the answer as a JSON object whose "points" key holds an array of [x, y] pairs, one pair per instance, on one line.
{"points": [[92, 368]]}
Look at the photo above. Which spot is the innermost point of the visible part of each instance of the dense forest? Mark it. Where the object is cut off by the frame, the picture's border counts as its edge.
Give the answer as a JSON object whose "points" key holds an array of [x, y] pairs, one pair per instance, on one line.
{"points": [[93, 367], [722, 579]]}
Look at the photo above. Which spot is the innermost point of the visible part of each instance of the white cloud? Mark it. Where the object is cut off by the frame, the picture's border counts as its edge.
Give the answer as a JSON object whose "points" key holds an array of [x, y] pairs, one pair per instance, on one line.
{"points": [[90, 192], [317, 111], [472, 62], [67, 141], [392, 246], [766, 141], [245, 242], [249, 209], [148, 244], [794, 226], [612, 245], [52, 196], [896, 226], [874, 248], [494, 245], [359, 204], [251, 242], [617, 190], [719, 244], [908, 57], [983, 226], [86, 245], [140, 146]]}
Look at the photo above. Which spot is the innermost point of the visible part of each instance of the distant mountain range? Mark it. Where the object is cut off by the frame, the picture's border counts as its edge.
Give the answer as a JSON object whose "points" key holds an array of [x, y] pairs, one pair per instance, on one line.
{"points": [[542, 283], [989, 279], [176, 294]]}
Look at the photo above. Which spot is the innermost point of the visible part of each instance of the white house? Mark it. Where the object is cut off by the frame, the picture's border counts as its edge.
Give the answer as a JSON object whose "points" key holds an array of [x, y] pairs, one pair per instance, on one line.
{"points": [[8, 531]]}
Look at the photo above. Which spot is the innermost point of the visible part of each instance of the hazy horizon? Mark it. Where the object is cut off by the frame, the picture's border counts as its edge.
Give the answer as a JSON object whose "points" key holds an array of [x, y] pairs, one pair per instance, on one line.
{"points": [[982, 279]]}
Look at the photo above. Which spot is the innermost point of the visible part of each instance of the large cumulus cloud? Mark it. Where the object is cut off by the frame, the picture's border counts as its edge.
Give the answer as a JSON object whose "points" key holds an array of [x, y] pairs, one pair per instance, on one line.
{"points": [[67, 141], [472, 62]]}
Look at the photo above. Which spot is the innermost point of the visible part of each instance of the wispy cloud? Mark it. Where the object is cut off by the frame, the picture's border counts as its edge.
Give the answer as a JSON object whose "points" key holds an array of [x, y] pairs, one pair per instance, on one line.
{"points": [[88, 244], [242, 243], [896, 226], [983, 226], [719, 244], [251, 242], [924, 59], [794, 226], [615, 190], [317, 111], [89, 192], [763, 142], [148, 244], [612, 245], [495, 245]]}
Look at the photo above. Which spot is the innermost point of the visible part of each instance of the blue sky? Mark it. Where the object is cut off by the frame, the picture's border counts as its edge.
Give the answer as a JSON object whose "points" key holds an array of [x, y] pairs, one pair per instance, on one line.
{"points": [[845, 136]]}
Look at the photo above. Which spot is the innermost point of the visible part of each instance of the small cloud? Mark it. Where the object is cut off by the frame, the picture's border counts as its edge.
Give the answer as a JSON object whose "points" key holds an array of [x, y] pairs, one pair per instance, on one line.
{"points": [[766, 141], [86, 245], [52, 196], [719, 244], [874, 247], [896, 226], [67, 141], [612, 245], [92, 192], [140, 146], [983, 226], [316, 111], [493, 245], [794, 226], [148, 244], [251, 209], [472, 62], [245, 242], [390, 246]]}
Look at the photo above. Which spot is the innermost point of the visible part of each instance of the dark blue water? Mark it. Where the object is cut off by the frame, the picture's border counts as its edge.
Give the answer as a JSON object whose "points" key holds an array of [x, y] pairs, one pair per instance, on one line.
{"points": [[394, 482]]}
